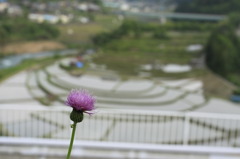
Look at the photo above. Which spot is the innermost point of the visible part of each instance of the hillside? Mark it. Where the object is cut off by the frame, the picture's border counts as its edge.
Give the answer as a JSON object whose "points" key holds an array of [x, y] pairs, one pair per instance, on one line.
{"points": [[208, 6]]}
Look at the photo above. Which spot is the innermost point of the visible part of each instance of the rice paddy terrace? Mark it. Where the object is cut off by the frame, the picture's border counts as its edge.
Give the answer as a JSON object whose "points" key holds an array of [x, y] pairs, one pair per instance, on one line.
{"points": [[50, 86]]}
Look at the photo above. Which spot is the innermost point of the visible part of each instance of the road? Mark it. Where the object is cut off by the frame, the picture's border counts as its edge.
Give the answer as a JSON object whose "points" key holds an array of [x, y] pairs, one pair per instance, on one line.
{"points": [[14, 60]]}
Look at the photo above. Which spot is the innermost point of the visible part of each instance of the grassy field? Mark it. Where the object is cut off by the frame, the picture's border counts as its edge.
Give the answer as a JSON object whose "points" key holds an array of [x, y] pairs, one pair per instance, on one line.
{"points": [[22, 47], [217, 86], [126, 54], [72, 34], [81, 33], [78, 32], [25, 65]]}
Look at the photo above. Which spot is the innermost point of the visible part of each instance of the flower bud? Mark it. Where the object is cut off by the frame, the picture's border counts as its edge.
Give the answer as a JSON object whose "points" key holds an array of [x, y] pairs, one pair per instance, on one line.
{"points": [[76, 116]]}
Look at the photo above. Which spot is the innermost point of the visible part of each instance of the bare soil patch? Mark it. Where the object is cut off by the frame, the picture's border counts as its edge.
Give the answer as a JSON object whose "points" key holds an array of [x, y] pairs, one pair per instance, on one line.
{"points": [[31, 47], [215, 85]]}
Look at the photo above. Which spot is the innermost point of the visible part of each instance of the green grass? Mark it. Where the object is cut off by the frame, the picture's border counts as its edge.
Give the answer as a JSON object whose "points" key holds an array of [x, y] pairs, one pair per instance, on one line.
{"points": [[80, 32], [84, 32], [26, 64], [126, 54], [234, 78], [73, 70], [3, 132], [109, 22]]}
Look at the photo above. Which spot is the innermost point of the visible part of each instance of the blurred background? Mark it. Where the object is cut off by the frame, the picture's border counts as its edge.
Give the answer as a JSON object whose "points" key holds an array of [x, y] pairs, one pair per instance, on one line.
{"points": [[165, 74]]}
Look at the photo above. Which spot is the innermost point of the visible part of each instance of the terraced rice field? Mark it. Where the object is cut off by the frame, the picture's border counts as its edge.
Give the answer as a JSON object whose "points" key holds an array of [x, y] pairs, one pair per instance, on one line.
{"points": [[50, 86]]}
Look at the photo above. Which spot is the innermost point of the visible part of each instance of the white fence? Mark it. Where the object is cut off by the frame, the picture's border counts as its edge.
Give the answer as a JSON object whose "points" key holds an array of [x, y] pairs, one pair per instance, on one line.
{"points": [[125, 126]]}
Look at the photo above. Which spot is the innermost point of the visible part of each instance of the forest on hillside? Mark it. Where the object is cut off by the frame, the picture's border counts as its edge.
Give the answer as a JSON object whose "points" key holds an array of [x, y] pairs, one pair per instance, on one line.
{"points": [[223, 50], [20, 28], [208, 6]]}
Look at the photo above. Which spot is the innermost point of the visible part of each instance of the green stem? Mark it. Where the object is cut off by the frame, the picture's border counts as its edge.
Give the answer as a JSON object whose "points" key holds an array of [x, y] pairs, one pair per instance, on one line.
{"points": [[74, 125]]}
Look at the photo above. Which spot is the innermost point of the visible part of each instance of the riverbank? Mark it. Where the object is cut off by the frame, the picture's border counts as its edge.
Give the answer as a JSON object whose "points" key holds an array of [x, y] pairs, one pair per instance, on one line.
{"points": [[31, 47], [13, 64]]}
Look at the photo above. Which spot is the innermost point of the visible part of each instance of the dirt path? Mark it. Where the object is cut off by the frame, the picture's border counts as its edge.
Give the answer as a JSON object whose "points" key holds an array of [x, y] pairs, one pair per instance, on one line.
{"points": [[215, 85], [31, 47]]}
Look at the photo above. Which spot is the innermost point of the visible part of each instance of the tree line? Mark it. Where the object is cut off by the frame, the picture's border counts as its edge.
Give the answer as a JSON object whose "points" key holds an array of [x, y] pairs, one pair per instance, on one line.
{"points": [[208, 6], [20, 28], [135, 29], [223, 50]]}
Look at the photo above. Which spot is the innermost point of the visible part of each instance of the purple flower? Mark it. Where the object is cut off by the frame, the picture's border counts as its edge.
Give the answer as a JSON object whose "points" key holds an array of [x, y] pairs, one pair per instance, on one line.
{"points": [[81, 100]]}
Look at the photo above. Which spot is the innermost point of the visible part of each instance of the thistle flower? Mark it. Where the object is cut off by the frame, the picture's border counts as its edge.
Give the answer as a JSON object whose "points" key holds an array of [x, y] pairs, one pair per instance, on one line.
{"points": [[81, 100]]}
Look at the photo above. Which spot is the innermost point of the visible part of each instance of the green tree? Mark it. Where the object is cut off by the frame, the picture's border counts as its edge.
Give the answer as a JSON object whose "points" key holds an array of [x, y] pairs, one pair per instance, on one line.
{"points": [[222, 51], [160, 34], [3, 38], [208, 6], [23, 29]]}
